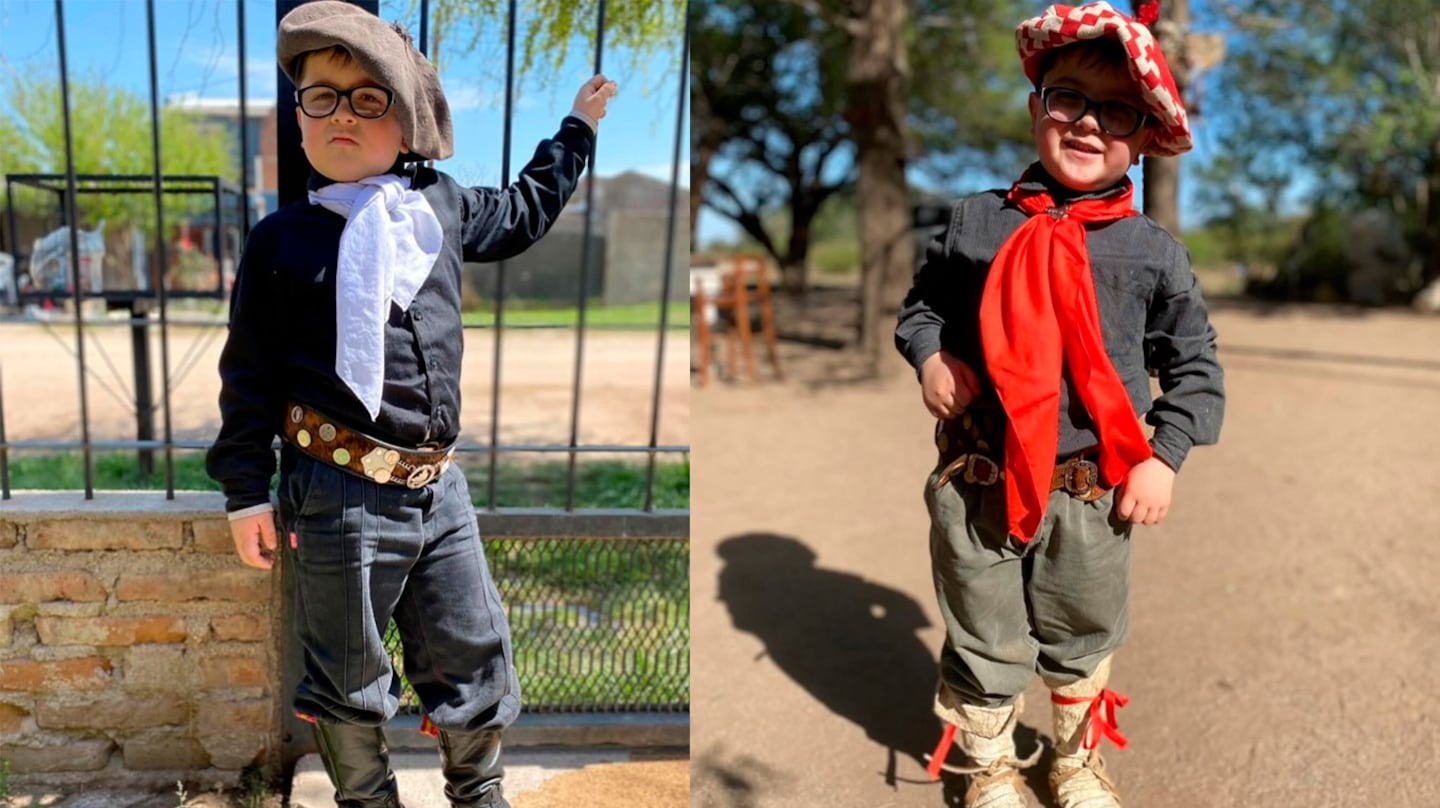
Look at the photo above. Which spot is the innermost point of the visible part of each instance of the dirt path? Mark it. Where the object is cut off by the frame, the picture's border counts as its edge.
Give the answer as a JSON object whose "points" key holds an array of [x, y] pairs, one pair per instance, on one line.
{"points": [[1285, 625], [41, 383]]}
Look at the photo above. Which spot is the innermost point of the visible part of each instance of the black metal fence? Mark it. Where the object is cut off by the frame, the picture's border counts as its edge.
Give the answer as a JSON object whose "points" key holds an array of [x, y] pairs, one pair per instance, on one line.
{"points": [[600, 624], [160, 296]]}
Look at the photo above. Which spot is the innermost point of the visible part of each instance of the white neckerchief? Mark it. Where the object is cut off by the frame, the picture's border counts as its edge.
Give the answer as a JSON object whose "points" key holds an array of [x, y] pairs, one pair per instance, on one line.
{"points": [[390, 242]]}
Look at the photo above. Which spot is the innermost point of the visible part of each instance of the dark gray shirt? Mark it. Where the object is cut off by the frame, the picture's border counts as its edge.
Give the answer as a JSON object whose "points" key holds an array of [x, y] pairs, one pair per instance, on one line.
{"points": [[281, 344], [1151, 315]]}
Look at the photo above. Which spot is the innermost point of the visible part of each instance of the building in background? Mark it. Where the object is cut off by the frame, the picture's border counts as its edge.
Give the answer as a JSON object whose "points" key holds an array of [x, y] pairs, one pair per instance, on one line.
{"points": [[626, 255]]}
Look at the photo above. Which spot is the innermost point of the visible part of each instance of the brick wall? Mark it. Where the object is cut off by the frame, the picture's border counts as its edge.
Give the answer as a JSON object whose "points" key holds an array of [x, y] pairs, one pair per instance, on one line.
{"points": [[133, 642]]}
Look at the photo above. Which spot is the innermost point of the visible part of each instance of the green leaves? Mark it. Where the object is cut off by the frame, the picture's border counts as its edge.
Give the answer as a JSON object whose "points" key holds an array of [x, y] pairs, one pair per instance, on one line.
{"points": [[551, 31], [110, 134]]}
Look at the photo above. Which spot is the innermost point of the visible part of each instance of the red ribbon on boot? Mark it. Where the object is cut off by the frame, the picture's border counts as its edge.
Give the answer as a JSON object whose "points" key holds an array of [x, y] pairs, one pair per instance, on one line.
{"points": [[1038, 317], [937, 760], [428, 728], [1101, 718]]}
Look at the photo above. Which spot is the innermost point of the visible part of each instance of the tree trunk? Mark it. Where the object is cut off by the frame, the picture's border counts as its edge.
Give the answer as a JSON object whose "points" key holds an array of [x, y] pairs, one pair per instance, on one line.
{"points": [[702, 149], [878, 89], [794, 269], [1430, 216], [1162, 192], [699, 173], [1162, 174]]}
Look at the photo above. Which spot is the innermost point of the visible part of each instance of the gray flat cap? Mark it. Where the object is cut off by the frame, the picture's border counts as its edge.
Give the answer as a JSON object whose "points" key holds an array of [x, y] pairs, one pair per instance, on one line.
{"points": [[387, 55]]}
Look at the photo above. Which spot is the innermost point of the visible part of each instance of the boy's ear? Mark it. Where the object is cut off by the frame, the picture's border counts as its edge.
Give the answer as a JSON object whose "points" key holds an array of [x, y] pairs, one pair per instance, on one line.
{"points": [[404, 147], [1144, 144], [1035, 111]]}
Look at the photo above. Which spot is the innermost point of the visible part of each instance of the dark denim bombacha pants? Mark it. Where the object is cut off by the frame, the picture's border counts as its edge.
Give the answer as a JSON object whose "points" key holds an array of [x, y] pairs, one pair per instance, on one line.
{"points": [[368, 552]]}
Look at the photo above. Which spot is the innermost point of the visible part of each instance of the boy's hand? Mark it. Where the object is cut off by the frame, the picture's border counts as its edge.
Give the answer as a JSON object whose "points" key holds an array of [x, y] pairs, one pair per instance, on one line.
{"points": [[1143, 497], [948, 385], [255, 539], [594, 95]]}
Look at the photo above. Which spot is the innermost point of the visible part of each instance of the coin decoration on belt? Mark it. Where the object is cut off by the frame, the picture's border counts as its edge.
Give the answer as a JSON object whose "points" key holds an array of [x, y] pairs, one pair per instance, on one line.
{"points": [[303, 438], [327, 432], [379, 464]]}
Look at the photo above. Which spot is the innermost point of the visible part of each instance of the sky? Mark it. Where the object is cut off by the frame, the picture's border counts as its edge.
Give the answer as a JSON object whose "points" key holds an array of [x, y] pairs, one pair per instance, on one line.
{"points": [[198, 56]]}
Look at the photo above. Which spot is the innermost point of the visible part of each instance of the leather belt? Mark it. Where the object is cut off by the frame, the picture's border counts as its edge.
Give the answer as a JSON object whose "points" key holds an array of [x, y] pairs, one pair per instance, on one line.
{"points": [[1077, 476], [330, 442]]}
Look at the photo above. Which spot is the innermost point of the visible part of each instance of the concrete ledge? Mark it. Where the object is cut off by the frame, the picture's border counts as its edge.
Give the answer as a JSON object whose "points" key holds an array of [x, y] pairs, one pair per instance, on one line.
{"points": [[669, 730], [518, 523]]}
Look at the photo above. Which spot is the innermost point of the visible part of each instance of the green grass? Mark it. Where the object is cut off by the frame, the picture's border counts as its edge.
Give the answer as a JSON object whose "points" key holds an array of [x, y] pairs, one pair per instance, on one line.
{"points": [[836, 256], [519, 484], [638, 316], [598, 483], [594, 623], [118, 471]]}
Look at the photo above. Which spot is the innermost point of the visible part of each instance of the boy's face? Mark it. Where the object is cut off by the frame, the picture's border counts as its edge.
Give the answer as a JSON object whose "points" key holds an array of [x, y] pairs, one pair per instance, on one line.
{"points": [[1080, 154], [342, 145]]}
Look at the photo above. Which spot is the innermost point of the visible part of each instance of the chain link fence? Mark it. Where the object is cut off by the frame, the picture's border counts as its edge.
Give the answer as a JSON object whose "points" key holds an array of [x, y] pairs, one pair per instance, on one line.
{"points": [[598, 625]]}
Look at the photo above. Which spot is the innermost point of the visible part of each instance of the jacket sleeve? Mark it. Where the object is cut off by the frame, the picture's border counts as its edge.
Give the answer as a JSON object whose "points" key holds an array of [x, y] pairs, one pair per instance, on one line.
{"points": [[1180, 347], [252, 393], [941, 307], [499, 223]]}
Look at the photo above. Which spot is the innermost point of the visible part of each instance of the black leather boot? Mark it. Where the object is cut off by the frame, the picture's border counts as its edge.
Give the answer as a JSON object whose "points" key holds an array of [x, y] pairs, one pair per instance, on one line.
{"points": [[471, 762], [358, 763]]}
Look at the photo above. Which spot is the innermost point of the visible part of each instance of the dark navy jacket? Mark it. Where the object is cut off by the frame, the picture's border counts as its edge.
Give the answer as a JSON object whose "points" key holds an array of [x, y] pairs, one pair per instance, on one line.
{"points": [[1151, 315], [281, 344]]}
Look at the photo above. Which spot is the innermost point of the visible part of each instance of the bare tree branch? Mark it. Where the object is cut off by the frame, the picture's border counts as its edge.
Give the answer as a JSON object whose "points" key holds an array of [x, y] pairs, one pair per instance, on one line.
{"points": [[747, 217]]}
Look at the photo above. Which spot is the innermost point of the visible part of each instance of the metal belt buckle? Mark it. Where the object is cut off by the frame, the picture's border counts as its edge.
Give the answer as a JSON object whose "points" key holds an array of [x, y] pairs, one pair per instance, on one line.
{"points": [[1081, 476], [422, 475], [379, 464]]}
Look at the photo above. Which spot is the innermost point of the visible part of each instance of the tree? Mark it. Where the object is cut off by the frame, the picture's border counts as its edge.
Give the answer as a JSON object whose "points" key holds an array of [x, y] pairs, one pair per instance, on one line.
{"points": [[1346, 93], [635, 29], [958, 41], [767, 102], [1162, 174], [1188, 55], [111, 134]]}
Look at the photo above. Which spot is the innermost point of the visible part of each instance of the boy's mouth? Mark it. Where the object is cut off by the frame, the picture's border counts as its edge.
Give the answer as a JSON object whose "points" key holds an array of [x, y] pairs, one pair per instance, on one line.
{"points": [[1082, 147], [343, 140]]}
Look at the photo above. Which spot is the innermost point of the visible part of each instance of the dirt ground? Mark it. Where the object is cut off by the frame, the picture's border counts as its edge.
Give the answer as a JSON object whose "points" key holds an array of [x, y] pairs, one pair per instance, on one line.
{"points": [[1284, 624], [633, 784], [38, 371]]}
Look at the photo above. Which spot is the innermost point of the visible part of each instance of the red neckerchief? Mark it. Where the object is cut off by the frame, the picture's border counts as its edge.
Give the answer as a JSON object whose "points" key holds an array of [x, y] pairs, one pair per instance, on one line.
{"points": [[1038, 311]]}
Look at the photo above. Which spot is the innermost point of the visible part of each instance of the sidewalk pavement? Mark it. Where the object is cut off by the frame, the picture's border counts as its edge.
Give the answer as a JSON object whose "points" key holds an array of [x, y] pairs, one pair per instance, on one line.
{"points": [[535, 777], [612, 776]]}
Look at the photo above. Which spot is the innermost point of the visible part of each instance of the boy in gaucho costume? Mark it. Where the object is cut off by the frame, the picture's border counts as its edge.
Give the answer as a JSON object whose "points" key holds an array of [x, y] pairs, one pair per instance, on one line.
{"points": [[1034, 324], [345, 340]]}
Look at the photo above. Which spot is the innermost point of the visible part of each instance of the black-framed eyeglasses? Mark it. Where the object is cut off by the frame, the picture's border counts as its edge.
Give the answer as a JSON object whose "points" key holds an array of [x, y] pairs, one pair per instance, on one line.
{"points": [[1116, 118], [320, 100]]}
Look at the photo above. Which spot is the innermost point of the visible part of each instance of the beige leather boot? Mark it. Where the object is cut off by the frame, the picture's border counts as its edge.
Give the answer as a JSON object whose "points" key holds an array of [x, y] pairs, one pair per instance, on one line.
{"points": [[1084, 711], [987, 737]]}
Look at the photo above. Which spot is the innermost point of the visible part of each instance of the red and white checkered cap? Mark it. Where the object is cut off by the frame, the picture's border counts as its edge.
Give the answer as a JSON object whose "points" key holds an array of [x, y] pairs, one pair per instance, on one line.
{"points": [[1061, 25]]}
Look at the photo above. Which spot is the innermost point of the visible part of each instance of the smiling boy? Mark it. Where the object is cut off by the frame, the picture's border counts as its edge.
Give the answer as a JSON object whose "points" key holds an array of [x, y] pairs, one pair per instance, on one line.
{"points": [[345, 339], [1034, 325]]}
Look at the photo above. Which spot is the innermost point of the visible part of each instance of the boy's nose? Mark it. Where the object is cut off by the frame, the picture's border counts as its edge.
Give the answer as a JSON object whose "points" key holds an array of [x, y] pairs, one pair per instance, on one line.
{"points": [[344, 112]]}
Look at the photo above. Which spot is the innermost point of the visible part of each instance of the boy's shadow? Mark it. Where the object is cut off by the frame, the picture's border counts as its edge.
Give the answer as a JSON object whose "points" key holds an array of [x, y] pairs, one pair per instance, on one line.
{"points": [[850, 643]]}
